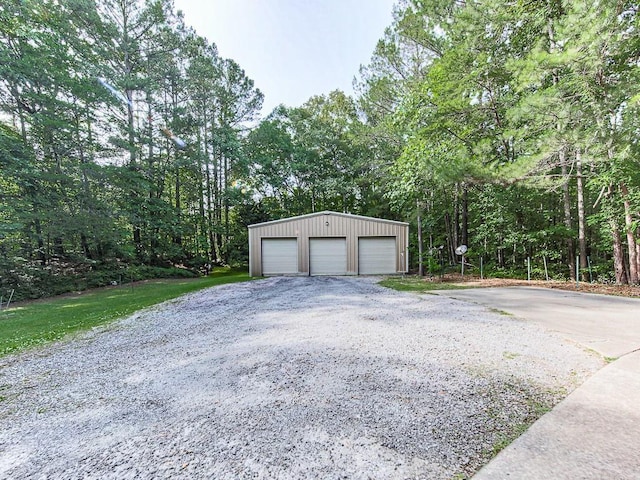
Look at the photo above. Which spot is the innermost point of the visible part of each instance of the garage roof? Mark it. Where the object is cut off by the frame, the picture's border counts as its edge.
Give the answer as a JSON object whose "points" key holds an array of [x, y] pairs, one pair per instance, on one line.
{"points": [[327, 212]]}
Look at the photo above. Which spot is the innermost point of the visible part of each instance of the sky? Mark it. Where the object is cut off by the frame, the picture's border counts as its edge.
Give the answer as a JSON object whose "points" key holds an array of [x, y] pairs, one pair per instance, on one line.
{"points": [[292, 49]]}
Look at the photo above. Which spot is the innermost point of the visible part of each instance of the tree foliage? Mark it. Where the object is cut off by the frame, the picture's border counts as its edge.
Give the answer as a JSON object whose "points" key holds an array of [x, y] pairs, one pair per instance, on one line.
{"points": [[536, 99], [510, 127], [93, 179]]}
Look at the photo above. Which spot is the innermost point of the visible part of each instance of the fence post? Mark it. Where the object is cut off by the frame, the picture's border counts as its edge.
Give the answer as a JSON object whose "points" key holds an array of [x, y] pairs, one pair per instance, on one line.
{"points": [[578, 272], [481, 269], [10, 297], [528, 269]]}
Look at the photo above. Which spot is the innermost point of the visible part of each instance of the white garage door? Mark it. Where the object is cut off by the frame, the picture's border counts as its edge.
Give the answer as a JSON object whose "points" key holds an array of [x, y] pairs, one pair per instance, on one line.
{"points": [[376, 255], [279, 256], [328, 256]]}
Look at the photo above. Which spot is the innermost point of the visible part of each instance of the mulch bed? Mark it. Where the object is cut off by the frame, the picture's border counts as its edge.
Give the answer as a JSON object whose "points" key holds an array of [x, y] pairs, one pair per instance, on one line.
{"points": [[585, 287]]}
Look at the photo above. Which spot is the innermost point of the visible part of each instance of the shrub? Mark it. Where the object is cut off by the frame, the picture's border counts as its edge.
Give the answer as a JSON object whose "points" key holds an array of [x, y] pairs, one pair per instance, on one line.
{"points": [[31, 281]]}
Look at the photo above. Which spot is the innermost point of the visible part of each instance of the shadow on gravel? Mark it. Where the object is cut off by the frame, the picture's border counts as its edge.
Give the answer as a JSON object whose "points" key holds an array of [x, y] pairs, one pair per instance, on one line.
{"points": [[284, 378]]}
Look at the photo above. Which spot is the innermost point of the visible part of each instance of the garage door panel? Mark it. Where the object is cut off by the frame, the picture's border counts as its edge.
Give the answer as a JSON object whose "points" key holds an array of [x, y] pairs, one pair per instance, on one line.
{"points": [[376, 255], [279, 256], [328, 256]]}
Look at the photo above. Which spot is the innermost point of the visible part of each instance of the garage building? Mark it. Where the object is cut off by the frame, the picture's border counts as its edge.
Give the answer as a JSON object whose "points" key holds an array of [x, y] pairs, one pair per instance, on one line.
{"points": [[328, 243]]}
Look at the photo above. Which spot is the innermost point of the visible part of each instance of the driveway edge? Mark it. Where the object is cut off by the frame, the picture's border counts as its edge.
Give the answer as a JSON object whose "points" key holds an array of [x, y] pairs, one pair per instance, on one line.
{"points": [[593, 433]]}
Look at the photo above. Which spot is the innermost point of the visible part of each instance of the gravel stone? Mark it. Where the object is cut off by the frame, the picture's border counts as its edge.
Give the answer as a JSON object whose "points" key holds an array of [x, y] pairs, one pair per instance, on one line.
{"points": [[283, 378]]}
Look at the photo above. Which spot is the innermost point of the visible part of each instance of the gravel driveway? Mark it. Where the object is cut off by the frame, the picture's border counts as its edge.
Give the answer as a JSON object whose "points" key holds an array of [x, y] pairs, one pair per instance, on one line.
{"points": [[282, 378]]}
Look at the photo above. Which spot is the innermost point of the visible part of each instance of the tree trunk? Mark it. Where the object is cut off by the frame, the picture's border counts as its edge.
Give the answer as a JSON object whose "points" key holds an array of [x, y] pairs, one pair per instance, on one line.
{"points": [[456, 219], [618, 255], [582, 239], [217, 237], [567, 215], [450, 238], [631, 240], [638, 252], [465, 216], [41, 251], [227, 233], [210, 208], [85, 246], [177, 239], [205, 189], [563, 165], [202, 221], [85, 201], [133, 197], [128, 72]]}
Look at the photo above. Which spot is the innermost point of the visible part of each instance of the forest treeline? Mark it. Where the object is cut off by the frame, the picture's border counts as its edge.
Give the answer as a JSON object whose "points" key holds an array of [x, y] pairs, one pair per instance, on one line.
{"points": [[129, 147]]}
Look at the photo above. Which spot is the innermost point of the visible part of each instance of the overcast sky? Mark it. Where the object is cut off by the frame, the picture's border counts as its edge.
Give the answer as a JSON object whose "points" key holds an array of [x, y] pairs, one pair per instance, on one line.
{"points": [[292, 49]]}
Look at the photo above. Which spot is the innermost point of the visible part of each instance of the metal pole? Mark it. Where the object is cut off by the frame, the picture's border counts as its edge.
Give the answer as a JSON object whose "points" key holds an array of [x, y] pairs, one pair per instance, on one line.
{"points": [[10, 297], [528, 269], [578, 272], [462, 266], [406, 260], [546, 272], [420, 264], [481, 271]]}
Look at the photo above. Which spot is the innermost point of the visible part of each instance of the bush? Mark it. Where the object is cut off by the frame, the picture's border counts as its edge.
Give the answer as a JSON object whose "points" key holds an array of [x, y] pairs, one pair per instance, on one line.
{"points": [[505, 273], [31, 281]]}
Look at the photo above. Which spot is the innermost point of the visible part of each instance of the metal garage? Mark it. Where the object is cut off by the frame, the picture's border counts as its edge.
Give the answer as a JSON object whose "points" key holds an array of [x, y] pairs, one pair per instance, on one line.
{"points": [[328, 243]]}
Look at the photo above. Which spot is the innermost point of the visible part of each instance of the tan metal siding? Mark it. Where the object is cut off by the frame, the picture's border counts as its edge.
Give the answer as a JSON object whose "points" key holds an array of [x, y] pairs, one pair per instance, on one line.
{"points": [[339, 225]]}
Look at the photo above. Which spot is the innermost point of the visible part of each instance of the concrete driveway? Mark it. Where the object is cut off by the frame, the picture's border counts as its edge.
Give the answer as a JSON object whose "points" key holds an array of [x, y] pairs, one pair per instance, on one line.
{"points": [[595, 431], [609, 325]]}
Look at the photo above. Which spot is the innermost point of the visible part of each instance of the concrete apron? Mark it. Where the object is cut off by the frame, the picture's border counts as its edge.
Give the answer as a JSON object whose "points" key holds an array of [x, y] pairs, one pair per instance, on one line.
{"points": [[594, 433]]}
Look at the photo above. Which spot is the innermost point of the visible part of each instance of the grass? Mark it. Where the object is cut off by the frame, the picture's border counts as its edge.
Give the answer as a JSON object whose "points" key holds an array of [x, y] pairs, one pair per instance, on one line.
{"points": [[505, 439], [34, 323], [418, 284], [500, 312], [510, 355]]}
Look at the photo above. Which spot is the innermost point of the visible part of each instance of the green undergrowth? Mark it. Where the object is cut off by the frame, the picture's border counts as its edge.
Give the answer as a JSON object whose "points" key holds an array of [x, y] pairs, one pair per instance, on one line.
{"points": [[413, 283], [28, 324]]}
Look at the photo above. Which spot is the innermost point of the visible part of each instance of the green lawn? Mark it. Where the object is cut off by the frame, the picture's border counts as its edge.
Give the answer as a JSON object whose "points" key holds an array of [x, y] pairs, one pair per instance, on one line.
{"points": [[412, 283], [33, 323]]}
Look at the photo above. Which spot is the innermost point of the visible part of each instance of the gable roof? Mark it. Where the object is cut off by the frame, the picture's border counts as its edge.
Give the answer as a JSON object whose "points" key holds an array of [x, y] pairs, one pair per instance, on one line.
{"points": [[327, 212]]}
